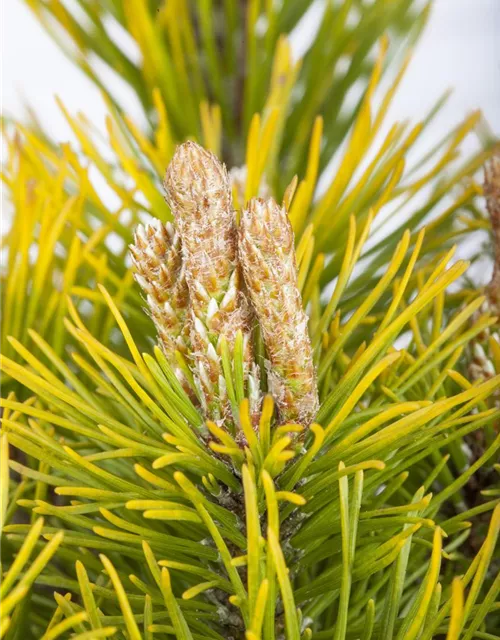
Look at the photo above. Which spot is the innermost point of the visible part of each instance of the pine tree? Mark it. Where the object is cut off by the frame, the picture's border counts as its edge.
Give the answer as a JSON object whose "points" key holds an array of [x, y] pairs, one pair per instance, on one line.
{"points": [[287, 428]]}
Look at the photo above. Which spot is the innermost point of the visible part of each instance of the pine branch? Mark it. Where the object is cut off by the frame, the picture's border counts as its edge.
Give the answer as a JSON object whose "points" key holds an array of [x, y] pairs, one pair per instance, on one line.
{"points": [[127, 511]]}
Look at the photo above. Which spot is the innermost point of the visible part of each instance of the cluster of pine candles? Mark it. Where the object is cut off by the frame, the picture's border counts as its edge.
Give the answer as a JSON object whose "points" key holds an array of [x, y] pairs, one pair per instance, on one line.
{"points": [[287, 429]]}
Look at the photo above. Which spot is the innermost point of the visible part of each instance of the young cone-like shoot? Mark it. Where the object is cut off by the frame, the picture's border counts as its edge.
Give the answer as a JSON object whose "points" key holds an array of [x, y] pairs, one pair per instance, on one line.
{"points": [[157, 258], [492, 193], [198, 191], [483, 353], [266, 249]]}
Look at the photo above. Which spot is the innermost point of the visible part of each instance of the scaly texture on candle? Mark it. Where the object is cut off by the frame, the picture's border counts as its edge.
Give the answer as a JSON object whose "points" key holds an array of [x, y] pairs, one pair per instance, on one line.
{"points": [[266, 249], [157, 259], [198, 191]]}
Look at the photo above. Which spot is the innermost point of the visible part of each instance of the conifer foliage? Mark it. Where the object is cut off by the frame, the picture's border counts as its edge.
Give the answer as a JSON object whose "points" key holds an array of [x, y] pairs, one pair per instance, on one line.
{"points": [[261, 408]]}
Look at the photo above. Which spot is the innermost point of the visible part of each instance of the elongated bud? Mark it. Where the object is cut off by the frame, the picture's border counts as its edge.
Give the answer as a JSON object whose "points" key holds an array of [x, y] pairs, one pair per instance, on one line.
{"points": [[157, 258], [267, 255], [492, 194], [198, 192]]}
